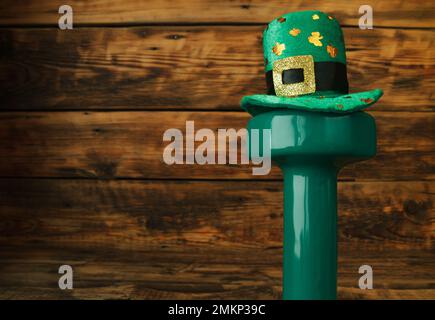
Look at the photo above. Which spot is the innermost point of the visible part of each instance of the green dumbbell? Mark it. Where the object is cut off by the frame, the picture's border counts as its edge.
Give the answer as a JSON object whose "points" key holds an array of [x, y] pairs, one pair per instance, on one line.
{"points": [[316, 128], [311, 148]]}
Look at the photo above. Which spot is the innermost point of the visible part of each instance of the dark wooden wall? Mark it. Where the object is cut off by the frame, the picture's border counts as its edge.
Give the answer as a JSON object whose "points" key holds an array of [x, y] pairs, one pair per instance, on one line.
{"points": [[82, 181]]}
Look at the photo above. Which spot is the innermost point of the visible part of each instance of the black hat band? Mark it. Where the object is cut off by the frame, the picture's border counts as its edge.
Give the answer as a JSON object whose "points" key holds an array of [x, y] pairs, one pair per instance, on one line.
{"points": [[329, 76]]}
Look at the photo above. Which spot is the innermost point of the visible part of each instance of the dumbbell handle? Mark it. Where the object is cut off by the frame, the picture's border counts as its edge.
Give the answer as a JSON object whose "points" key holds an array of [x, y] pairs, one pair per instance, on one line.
{"points": [[310, 224]]}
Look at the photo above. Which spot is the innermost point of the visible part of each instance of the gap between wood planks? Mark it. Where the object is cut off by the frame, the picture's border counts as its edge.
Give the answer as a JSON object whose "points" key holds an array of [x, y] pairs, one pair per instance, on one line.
{"points": [[235, 110], [175, 179], [181, 24]]}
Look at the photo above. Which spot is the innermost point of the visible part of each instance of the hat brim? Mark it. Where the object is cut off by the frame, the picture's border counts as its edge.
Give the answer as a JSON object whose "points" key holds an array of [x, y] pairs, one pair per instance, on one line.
{"points": [[347, 103]]}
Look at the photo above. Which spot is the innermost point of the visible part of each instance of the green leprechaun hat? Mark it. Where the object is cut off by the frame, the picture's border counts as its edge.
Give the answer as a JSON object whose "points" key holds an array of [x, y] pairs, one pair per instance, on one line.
{"points": [[305, 62]]}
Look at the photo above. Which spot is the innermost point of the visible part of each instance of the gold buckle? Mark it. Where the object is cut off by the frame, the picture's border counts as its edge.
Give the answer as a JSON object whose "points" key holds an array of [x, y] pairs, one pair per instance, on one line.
{"points": [[294, 89]]}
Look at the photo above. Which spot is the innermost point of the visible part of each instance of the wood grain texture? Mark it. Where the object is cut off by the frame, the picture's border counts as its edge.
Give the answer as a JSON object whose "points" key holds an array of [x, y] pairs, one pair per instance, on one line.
{"points": [[397, 13], [191, 67], [220, 240], [82, 180], [130, 145]]}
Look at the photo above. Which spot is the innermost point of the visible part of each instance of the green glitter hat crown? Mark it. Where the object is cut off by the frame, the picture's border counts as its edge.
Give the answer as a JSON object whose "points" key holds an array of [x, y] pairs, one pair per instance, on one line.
{"points": [[303, 33]]}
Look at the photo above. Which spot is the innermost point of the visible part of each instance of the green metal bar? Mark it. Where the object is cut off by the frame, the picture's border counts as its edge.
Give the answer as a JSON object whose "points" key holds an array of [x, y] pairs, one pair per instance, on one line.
{"points": [[310, 245]]}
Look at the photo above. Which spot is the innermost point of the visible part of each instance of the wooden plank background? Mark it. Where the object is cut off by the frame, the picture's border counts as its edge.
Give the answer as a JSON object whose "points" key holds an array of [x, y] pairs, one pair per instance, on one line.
{"points": [[82, 180], [95, 67], [129, 145], [388, 13]]}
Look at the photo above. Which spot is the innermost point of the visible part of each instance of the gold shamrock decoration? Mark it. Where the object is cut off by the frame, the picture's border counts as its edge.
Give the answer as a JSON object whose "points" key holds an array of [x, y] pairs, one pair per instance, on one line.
{"points": [[315, 17], [278, 48], [333, 51], [330, 18], [315, 39], [294, 32]]}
